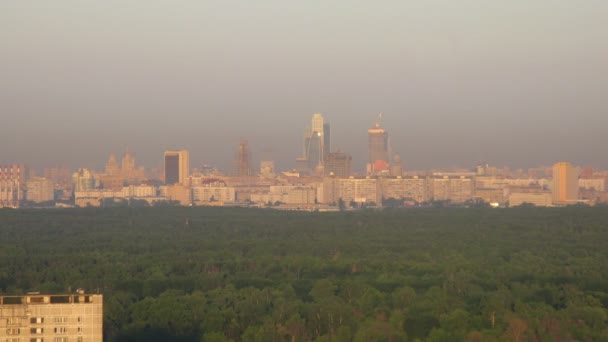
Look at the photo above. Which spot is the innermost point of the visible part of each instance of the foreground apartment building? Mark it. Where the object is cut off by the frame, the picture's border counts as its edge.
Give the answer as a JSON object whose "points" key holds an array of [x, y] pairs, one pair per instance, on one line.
{"points": [[51, 318]]}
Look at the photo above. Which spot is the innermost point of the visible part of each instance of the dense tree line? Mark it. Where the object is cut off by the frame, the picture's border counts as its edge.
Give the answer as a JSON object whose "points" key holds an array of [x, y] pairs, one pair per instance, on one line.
{"points": [[232, 274]]}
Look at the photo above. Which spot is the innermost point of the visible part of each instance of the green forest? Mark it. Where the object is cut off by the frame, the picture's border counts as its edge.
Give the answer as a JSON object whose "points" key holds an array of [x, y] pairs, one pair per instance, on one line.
{"points": [[237, 274]]}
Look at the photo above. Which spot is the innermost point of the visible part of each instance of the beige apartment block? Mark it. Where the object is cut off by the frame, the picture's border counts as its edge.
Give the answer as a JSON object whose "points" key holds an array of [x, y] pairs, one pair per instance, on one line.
{"points": [[51, 318], [536, 198], [415, 188]]}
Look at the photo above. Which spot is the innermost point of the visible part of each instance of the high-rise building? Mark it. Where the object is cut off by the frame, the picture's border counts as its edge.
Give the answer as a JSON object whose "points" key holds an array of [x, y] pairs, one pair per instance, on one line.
{"points": [[177, 167], [12, 184], [242, 163], [83, 180], [326, 140], [112, 168], [316, 143], [565, 183], [40, 189], [42, 317], [314, 151], [338, 164], [378, 148], [128, 165]]}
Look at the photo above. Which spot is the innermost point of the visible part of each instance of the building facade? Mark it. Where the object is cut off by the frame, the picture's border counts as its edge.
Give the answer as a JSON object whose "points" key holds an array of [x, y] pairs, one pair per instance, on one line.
{"points": [[177, 167], [40, 189], [565, 183], [55, 318], [379, 153], [12, 185], [83, 180], [338, 164]]}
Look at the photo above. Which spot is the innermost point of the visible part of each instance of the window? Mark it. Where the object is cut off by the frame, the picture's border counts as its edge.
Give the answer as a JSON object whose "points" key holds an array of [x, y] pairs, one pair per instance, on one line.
{"points": [[36, 320], [80, 330], [12, 320], [13, 331], [36, 331], [60, 339], [14, 339], [60, 320], [36, 299], [37, 339], [79, 319], [79, 338], [61, 330]]}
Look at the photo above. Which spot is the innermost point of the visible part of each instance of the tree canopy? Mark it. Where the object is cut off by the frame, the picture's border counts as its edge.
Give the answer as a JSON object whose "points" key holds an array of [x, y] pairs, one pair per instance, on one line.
{"points": [[235, 274]]}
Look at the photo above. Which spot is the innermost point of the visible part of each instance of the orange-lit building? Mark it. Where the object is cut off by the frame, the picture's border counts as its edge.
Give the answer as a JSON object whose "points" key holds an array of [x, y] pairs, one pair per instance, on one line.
{"points": [[565, 183]]}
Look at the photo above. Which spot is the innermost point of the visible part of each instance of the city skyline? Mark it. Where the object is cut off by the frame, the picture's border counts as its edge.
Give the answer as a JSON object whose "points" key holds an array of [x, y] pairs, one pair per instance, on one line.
{"points": [[227, 163], [458, 82]]}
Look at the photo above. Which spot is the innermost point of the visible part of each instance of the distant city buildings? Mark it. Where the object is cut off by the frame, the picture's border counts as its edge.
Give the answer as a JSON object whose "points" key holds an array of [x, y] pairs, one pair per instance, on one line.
{"points": [[322, 180]]}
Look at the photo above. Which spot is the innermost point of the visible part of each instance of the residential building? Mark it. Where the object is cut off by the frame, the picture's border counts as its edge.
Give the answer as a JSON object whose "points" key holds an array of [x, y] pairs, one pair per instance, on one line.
{"points": [[539, 198], [55, 318], [207, 195], [40, 189], [359, 190], [338, 164], [413, 188]]}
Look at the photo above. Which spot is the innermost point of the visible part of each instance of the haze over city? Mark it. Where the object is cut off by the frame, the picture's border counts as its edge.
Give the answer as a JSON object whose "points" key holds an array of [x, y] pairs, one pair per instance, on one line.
{"points": [[514, 83]]}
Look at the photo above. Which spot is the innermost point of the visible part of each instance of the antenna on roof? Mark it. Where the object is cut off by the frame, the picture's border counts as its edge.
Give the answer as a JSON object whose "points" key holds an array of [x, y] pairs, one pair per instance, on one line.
{"points": [[379, 121]]}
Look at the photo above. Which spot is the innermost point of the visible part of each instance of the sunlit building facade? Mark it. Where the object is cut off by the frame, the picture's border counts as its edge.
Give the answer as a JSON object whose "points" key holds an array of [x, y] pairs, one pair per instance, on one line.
{"points": [[54, 318], [565, 183]]}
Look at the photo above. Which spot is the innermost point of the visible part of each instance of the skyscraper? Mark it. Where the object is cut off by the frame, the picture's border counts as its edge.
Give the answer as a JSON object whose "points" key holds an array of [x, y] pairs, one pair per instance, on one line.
{"points": [[326, 140], [314, 151], [243, 160], [177, 167], [565, 183], [378, 148], [316, 143]]}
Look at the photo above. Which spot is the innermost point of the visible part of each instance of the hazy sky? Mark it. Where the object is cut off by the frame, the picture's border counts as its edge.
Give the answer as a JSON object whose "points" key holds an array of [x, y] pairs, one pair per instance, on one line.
{"points": [[518, 82]]}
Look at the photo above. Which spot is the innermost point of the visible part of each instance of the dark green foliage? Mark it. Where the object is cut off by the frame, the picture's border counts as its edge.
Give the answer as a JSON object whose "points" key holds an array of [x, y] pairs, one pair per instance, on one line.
{"points": [[221, 274]]}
